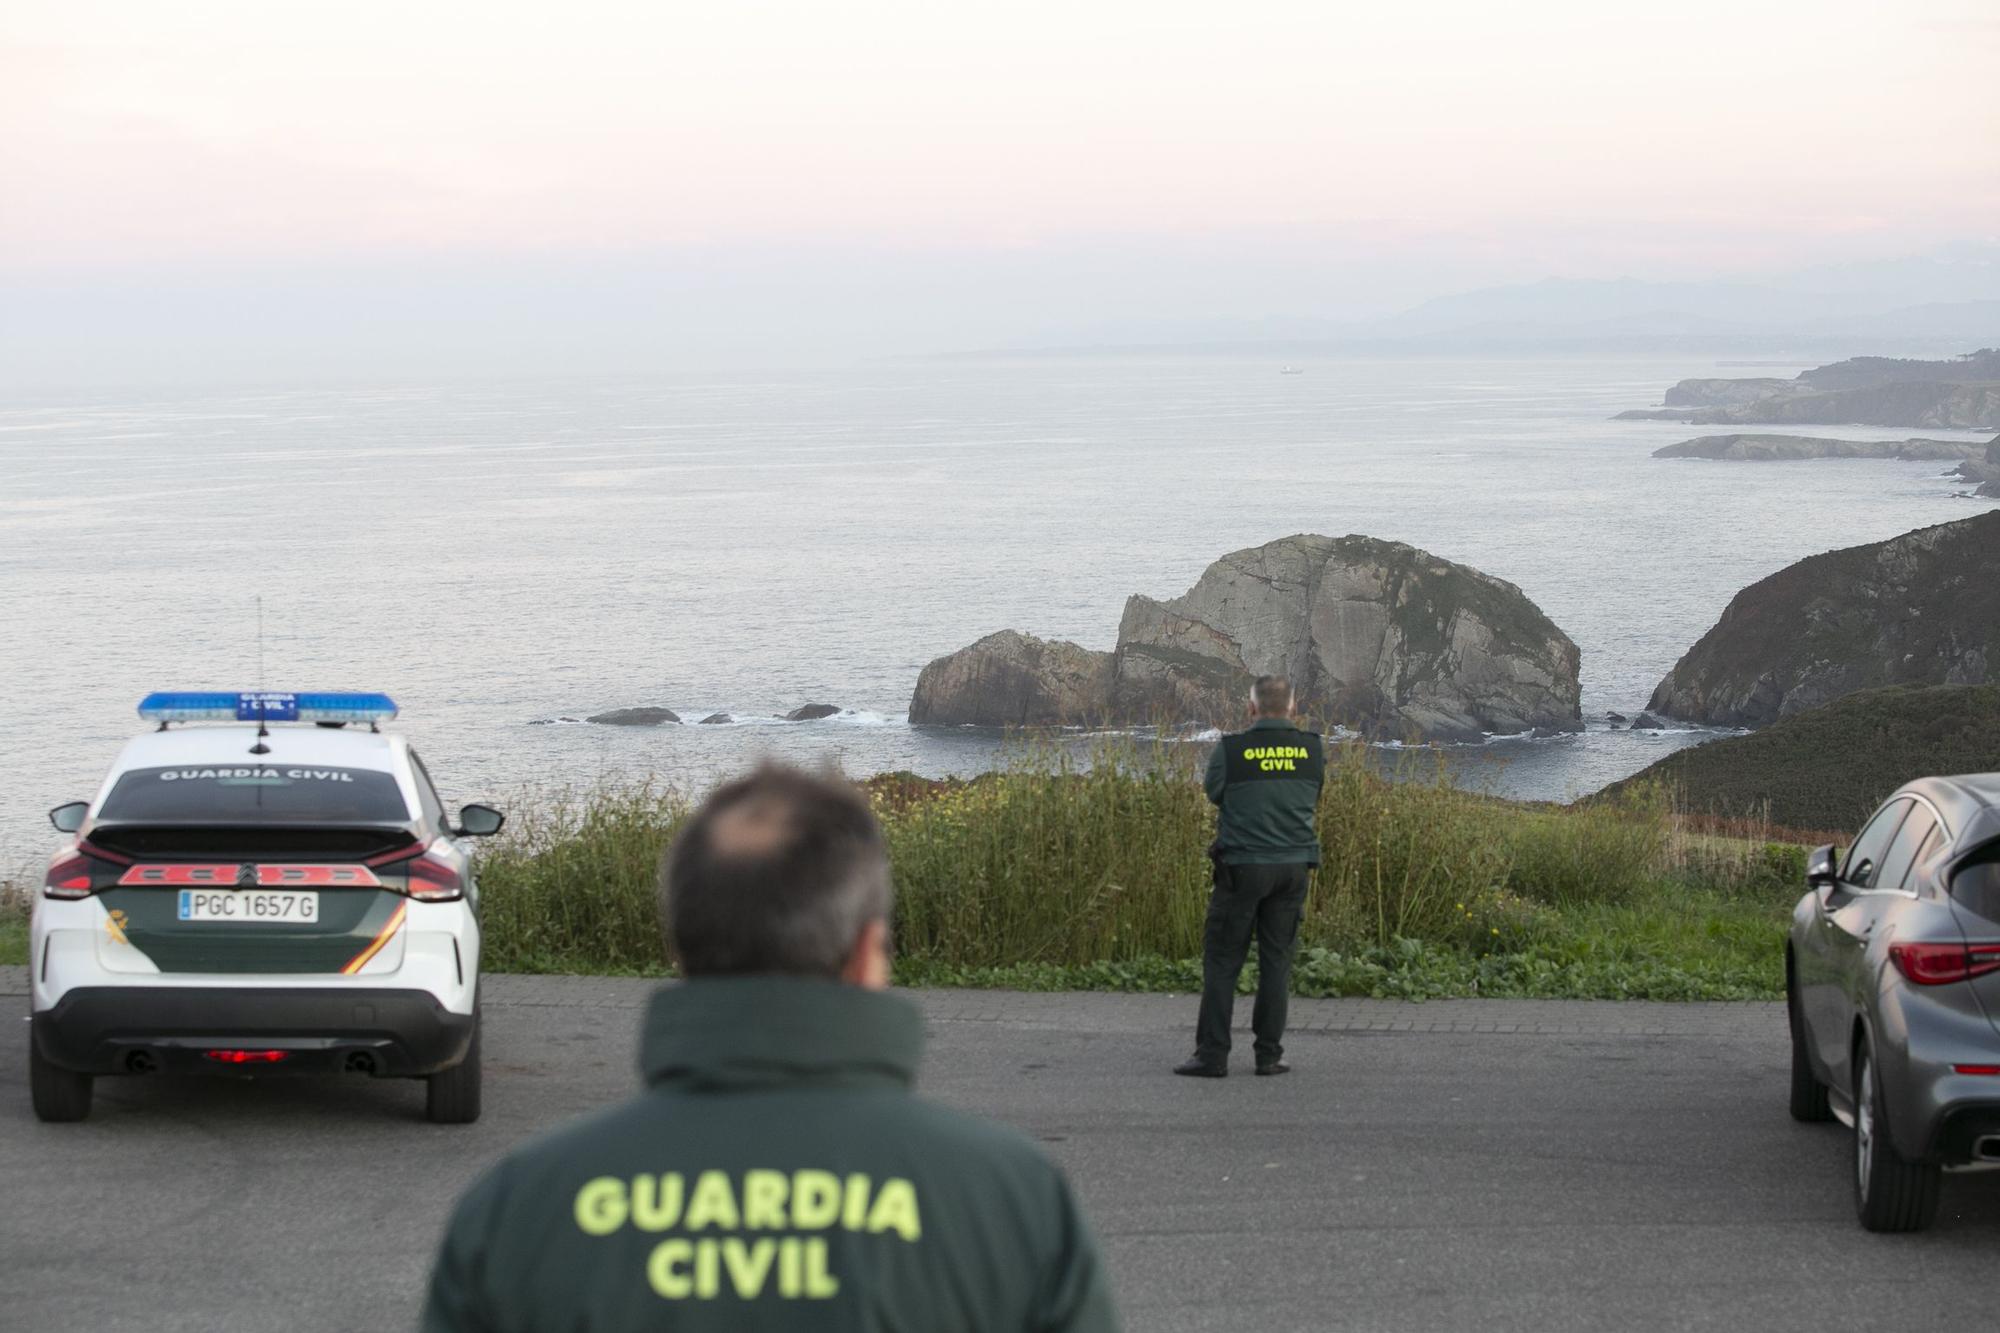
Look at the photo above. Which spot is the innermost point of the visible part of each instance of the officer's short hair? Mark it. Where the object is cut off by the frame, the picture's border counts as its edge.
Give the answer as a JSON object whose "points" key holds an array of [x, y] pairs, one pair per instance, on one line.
{"points": [[777, 872], [1272, 695]]}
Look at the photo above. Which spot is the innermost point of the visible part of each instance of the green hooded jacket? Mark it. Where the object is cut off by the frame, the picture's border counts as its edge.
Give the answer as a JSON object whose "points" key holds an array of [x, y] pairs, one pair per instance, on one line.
{"points": [[776, 1173], [1266, 782]]}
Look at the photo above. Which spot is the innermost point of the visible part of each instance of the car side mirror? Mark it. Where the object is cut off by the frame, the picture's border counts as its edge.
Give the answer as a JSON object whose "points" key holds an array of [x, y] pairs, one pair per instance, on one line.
{"points": [[479, 821], [1822, 867], [68, 818]]}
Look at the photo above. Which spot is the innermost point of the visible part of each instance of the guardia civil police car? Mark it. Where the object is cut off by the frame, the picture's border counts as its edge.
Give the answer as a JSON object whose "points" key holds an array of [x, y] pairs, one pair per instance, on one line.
{"points": [[265, 884]]}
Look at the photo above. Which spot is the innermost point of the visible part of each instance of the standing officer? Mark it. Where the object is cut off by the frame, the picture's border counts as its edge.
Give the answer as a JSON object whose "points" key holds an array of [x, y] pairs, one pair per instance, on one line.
{"points": [[1266, 781], [776, 1172]]}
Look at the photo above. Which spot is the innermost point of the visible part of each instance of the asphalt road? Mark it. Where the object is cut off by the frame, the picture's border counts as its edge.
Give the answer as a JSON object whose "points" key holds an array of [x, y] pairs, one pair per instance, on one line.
{"points": [[1452, 1165]]}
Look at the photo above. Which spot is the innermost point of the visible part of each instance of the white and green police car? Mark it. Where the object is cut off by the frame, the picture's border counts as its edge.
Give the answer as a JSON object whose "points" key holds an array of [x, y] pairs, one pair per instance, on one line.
{"points": [[267, 884]]}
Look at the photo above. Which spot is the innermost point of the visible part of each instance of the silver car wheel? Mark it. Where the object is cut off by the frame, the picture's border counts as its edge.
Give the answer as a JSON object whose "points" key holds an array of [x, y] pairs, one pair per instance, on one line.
{"points": [[1864, 1124]]}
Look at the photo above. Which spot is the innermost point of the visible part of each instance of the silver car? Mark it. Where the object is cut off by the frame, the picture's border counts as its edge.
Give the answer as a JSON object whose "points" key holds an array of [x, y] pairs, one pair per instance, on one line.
{"points": [[1892, 980]]}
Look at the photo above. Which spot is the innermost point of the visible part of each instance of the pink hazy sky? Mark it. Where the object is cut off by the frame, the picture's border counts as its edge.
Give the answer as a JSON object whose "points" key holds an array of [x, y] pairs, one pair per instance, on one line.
{"points": [[1707, 135]]}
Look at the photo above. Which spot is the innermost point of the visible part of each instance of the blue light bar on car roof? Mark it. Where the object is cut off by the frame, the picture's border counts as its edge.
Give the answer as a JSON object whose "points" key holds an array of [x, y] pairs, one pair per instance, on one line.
{"points": [[265, 706]]}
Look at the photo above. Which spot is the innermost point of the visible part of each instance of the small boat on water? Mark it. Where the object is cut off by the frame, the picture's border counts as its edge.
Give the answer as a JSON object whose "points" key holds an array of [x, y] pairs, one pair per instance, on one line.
{"points": [[1290, 370]]}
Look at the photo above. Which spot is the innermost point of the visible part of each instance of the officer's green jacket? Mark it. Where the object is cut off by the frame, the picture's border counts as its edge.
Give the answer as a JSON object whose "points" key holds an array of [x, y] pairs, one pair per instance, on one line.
{"points": [[776, 1173], [1266, 782]]}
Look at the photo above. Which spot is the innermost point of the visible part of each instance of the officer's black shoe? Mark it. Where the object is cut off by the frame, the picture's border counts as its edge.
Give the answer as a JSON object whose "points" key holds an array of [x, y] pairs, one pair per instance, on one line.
{"points": [[1267, 1067], [1200, 1068]]}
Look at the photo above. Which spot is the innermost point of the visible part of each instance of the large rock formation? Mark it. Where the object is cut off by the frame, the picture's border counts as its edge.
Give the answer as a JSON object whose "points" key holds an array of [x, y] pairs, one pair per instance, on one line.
{"points": [[1010, 679], [1774, 448], [1984, 469], [1377, 636], [1921, 609]]}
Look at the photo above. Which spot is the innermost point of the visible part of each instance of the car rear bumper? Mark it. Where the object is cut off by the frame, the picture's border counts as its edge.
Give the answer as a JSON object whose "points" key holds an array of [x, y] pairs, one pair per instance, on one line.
{"points": [[1969, 1132], [141, 1029]]}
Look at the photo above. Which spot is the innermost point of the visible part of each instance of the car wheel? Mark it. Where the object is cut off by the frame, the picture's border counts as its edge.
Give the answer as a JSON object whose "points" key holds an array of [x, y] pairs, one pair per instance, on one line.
{"points": [[1890, 1193], [60, 1095], [1810, 1101], [452, 1095]]}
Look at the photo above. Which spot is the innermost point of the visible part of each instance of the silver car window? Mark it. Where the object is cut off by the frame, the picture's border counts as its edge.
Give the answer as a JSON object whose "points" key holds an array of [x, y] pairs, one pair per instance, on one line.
{"points": [[1866, 853], [1902, 853], [1924, 852]]}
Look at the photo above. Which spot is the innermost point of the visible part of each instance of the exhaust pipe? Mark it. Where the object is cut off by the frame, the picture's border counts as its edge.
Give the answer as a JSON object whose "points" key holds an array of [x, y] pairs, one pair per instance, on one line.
{"points": [[1987, 1149], [359, 1062], [141, 1062]]}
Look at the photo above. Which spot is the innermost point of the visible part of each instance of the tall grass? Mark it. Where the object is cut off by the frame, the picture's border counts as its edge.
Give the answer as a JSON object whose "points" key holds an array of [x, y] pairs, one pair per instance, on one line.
{"points": [[1067, 860], [1052, 861], [572, 883]]}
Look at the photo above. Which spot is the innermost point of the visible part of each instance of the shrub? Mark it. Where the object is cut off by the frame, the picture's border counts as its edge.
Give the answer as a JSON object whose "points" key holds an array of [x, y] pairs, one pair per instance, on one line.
{"points": [[1098, 860], [1052, 862], [1602, 853], [572, 883], [1398, 857]]}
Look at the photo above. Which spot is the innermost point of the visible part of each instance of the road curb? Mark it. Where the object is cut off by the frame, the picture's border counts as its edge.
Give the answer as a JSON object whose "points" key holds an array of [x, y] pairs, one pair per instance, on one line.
{"points": [[1096, 1011]]}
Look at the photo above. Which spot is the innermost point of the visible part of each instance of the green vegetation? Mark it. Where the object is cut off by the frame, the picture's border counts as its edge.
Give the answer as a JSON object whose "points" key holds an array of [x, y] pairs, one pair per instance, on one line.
{"points": [[1827, 768], [1055, 874]]}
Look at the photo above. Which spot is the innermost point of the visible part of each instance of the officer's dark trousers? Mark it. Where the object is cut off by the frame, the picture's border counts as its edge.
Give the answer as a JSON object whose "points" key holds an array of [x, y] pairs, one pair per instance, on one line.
{"points": [[1265, 901]]}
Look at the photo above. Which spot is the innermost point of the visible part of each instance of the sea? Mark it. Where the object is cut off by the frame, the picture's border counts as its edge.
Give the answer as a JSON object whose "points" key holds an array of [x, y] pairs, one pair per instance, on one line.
{"points": [[506, 557]]}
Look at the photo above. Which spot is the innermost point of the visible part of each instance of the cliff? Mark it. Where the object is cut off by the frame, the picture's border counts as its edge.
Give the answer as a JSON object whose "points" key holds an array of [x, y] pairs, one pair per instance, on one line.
{"points": [[1959, 393], [1921, 609]]}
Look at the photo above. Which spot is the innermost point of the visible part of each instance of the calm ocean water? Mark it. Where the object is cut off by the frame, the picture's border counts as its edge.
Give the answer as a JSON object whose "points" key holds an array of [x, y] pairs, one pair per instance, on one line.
{"points": [[498, 554]]}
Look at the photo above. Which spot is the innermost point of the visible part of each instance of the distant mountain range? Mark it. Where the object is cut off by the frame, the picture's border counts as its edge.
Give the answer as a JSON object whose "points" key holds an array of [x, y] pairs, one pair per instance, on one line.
{"points": [[1935, 303], [1624, 307]]}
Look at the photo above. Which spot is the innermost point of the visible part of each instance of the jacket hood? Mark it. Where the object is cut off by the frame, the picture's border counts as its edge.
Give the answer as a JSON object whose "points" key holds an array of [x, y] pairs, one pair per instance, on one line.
{"points": [[747, 1032]]}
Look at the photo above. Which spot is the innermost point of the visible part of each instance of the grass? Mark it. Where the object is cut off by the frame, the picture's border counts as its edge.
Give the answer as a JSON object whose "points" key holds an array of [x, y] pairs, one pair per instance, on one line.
{"points": [[1058, 873], [1063, 873], [1829, 767]]}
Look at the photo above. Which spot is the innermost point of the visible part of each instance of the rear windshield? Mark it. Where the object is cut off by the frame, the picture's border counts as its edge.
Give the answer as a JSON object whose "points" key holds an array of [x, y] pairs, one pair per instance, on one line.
{"points": [[255, 794], [1977, 883]]}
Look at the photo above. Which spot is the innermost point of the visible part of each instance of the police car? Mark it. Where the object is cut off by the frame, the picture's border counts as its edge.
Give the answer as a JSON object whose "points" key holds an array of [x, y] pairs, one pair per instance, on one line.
{"points": [[282, 893]]}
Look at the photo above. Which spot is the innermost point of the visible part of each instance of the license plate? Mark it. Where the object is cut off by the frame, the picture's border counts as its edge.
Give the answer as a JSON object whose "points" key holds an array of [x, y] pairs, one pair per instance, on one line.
{"points": [[249, 906]]}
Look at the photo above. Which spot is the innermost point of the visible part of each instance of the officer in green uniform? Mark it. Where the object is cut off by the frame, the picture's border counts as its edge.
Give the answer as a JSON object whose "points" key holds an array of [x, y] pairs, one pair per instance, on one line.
{"points": [[776, 1172], [1266, 781]]}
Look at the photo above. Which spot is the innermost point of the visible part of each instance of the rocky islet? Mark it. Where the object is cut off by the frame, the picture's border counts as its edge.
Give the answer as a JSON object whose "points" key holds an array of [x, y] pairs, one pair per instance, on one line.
{"points": [[1379, 637]]}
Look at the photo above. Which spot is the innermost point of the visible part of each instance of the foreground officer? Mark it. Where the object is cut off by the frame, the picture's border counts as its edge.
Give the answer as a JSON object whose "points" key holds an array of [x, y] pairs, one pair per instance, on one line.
{"points": [[1266, 781], [776, 1173]]}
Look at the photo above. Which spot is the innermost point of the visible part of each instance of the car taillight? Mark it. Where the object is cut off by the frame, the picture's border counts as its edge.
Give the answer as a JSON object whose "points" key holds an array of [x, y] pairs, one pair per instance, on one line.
{"points": [[72, 871], [68, 877], [432, 879], [234, 1057], [1941, 964]]}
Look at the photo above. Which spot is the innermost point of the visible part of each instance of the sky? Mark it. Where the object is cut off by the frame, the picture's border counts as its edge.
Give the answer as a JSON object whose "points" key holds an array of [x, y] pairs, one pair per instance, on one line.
{"points": [[796, 179]]}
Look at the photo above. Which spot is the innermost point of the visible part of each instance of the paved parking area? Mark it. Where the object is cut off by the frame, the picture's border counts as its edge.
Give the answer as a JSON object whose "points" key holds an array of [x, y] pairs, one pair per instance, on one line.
{"points": [[1489, 1165]]}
